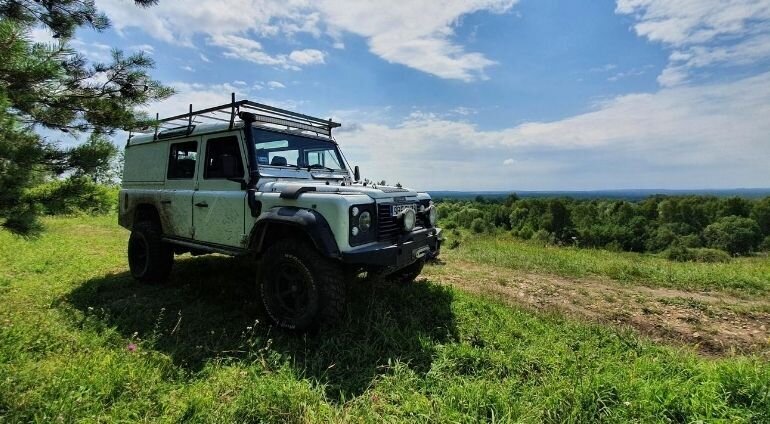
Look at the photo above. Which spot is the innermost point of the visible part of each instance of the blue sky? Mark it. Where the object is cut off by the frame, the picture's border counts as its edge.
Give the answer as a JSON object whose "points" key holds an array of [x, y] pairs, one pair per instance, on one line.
{"points": [[486, 94]]}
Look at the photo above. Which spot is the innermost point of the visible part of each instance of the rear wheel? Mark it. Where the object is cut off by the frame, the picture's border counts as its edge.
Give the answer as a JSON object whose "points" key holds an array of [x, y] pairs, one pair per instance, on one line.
{"points": [[149, 259], [408, 274], [299, 286]]}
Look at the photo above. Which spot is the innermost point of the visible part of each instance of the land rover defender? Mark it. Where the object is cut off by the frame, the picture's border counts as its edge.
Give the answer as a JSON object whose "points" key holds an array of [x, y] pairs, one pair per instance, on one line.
{"points": [[245, 178]]}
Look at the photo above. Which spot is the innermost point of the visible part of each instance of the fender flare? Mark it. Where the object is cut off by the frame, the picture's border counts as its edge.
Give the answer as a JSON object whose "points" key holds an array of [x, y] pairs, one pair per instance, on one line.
{"points": [[308, 221]]}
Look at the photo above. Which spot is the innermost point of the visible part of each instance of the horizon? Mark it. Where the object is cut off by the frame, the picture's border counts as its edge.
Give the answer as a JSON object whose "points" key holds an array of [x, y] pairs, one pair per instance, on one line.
{"points": [[542, 95], [610, 190]]}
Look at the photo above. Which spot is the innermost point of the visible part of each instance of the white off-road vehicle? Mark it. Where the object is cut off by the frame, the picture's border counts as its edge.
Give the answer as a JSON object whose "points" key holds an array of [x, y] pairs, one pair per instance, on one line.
{"points": [[249, 179]]}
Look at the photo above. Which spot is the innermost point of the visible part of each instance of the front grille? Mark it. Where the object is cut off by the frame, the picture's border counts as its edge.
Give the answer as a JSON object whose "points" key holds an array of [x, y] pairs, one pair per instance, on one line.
{"points": [[387, 226]]}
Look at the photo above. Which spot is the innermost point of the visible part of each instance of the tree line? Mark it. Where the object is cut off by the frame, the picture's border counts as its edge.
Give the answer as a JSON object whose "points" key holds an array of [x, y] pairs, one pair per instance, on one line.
{"points": [[679, 225]]}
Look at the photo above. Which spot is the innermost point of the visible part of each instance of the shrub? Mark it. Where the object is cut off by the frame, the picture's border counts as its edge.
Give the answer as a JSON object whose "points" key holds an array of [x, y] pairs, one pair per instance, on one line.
{"points": [[701, 254], [478, 226], [765, 246], [73, 195], [543, 236], [667, 234], [689, 240], [526, 232], [734, 234], [467, 216]]}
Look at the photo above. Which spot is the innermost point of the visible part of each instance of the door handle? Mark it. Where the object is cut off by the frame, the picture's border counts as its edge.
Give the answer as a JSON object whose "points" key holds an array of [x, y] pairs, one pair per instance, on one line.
{"points": [[165, 202], [202, 204]]}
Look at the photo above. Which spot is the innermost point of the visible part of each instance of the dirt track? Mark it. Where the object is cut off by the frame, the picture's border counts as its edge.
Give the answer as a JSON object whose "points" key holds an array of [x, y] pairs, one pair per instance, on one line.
{"points": [[714, 323]]}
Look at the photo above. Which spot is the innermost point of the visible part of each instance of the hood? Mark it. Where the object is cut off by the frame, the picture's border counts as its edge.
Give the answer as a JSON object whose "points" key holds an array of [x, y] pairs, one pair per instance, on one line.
{"points": [[372, 190]]}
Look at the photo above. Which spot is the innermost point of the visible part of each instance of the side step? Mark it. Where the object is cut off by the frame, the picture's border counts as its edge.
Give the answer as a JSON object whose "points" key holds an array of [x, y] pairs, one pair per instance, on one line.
{"points": [[206, 247]]}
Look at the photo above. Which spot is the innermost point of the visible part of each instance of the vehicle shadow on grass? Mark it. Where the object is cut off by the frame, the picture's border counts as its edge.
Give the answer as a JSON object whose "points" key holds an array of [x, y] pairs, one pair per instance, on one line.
{"points": [[210, 311]]}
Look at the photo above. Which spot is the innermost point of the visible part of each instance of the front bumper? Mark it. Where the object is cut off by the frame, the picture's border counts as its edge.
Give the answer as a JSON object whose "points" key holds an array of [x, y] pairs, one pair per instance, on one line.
{"points": [[423, 243]]}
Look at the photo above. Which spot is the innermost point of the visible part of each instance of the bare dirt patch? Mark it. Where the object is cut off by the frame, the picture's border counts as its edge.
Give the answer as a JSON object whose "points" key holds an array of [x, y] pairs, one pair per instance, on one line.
{"points": [[713, 323]]}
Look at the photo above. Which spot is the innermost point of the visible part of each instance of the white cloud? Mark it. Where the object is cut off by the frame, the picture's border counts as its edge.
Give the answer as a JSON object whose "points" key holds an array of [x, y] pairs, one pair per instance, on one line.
{"points": [[509, 162], [275, 84], [417, 34], [413, 33], [204, 58], [96, 52], [705, 136], [672, 76], [243, 48], [42, 35], [307, 57], [702, 32], [604, 68], [464, 111], [143, 48], [687, 22], [188, 68], [626, 74], [208, 95]]}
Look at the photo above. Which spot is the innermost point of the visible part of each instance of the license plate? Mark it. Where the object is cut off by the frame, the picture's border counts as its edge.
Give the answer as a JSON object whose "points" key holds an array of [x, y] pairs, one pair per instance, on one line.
{"points": [[397, 209]]}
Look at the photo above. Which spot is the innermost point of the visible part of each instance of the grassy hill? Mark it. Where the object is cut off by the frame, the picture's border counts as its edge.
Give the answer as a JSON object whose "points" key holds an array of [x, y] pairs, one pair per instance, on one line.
{"points": [[81, 341]]}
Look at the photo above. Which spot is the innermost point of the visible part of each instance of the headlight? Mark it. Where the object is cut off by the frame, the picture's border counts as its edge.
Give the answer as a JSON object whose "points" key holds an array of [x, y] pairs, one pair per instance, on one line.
{"points": [[408, 219], [432, 216], [361, 224], [365, 221]]}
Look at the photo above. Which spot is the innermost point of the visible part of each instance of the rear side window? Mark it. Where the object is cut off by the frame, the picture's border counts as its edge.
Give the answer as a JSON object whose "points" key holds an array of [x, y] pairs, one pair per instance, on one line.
{"points": [[223, 158], [181, 160]]}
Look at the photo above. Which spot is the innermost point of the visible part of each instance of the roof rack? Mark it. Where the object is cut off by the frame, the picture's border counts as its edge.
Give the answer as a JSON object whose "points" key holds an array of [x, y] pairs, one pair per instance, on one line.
{"points": [[183, 125]]}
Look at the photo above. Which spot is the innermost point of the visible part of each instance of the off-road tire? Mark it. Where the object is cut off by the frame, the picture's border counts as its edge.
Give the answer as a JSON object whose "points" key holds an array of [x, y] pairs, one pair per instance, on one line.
{"points": [[323, 279], [408, 274], [149, 258]]}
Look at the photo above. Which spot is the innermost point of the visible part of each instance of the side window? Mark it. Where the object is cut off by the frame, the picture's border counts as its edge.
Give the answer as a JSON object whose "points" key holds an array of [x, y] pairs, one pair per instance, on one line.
{"points": [[181, 160], [223, 158]]}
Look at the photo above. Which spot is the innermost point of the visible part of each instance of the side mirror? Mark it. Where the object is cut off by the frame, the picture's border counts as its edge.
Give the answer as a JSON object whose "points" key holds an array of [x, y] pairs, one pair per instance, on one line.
{"points": [[356, 174]]}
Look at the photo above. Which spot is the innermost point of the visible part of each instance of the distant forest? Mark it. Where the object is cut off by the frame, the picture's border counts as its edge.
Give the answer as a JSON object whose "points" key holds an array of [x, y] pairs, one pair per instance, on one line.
{"points": [[705, 228]]}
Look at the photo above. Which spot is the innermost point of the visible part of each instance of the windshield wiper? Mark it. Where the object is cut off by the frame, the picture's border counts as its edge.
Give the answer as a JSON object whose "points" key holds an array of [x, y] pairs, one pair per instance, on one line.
{"points": [[319, 166]]}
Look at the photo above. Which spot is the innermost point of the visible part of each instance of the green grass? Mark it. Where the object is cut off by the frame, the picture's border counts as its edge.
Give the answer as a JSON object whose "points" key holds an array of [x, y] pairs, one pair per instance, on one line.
{"points": [[748, 276], [68, 311]]}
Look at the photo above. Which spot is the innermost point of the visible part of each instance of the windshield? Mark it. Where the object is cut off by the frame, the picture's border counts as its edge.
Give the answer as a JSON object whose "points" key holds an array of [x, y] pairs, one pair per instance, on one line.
{"points": [[293, 151]]}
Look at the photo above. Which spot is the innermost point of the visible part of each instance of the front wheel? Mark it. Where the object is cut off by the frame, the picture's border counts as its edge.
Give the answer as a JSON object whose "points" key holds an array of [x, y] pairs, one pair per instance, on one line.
{"points": [[299, 286], [149, 259]]}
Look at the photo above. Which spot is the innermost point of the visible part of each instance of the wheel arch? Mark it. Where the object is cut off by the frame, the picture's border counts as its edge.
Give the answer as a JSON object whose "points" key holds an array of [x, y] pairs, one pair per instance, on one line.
{"points": [[146, 212], [283, 222]]}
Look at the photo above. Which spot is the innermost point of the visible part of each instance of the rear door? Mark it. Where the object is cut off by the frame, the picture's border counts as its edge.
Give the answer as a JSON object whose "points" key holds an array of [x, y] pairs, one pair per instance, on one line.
{"points": [[176, 198], [219, 204]]}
